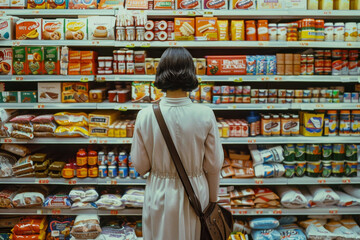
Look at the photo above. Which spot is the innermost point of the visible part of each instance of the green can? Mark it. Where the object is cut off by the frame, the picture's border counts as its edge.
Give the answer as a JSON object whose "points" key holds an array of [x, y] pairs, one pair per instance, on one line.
{"points": [[289, 169], [289, 152], [327, 150], [339, 152], [313, 152], [351, 168], [351, 152], [326, 169], [300, 168], [300, 152]]}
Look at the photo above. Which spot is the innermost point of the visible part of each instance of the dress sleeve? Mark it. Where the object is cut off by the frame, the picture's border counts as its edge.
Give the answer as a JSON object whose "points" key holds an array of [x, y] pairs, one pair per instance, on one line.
{"points": [[214, 158], [139, 155]]}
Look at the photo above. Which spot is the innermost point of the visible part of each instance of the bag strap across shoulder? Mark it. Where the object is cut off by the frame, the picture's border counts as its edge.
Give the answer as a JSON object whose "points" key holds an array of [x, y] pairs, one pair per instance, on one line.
{"points": [[194, 201]]}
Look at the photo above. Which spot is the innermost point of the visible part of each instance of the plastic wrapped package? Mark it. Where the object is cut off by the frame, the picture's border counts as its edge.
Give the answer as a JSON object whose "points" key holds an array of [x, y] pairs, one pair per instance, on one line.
{"points": [[59, 200], [6, 163], [264, 223], [86, 227], [83, 206], [28, 127], [291, 197], [30, 197], [25, 119], [350, 223], [40, 236], [291, 232], [6, 197], [323, 196], [30, 225], [268, 234], [267, 170], [134, 198], [285, 220], [72, 119], [309, 198], [318, 233], [110, 201], [271, 155], [59, 227], [44, 127], [21, 135], [351, 190], [8, 222], [16, 149], [241, 226], [346, 200], [341, 232], [72, 131], [43, 119], [83, 194], [44, 134]]}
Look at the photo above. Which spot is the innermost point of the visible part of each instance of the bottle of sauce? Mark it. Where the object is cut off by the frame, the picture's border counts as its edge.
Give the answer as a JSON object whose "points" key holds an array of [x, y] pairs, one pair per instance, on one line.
{"points": [[285, 125], [252, 121], [92, 158], [266, 126], [81, 158], [275, 125], [295, 125]]}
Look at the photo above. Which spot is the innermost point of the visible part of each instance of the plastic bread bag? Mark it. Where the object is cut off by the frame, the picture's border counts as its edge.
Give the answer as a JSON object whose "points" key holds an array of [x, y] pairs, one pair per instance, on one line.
{"points": [[47, 118], [341, 232], [287, 219], [22, 135], [242, 193], [264, 223], [40, 236], [318, 233], [44, 134], [44, 127], [110, 201], [306, 223], [22, 163], [350, 223], [134, 198], [291, 197], [57, 201], [323, 196], [16, 149], [30, 196], [351, 190], [83, 206], [346, 200], [86, 226], [241, 226], [267, 234], [30, 225], [25, 119], [83, 194], [309, 198], [24, 127], [72, 119], [291, 232], [6, 197], [274, 155], [72, 131]]}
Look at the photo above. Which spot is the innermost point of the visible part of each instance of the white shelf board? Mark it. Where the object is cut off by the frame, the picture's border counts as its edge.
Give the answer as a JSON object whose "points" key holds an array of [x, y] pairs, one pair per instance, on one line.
{"points": [[250, 106], [57, 211], [125, 78], [47, 78], [49, 105], [333, 210], [85, 43], [91, 140], [331, 106], [57, 12]]}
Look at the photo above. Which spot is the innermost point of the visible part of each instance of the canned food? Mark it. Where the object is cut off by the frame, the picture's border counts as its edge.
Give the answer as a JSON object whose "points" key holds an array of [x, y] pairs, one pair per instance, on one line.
{"points": [[123, 172], [112, 171], [103, 173]]}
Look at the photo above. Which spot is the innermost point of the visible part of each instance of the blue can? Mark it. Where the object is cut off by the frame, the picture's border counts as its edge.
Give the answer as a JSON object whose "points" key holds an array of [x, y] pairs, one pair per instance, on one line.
{"points": [[102, 159], [133, 173], [123, 172], [123, 159], [103, 171], [111, 159], [113, 171]]}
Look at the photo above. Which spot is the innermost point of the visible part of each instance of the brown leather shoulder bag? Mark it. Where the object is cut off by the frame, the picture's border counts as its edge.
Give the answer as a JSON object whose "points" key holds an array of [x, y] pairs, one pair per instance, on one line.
{"points": [[216, 221]]}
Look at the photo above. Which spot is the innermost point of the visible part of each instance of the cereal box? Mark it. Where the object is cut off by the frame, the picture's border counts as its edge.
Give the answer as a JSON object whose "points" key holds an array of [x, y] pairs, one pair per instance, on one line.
{"points": [[226, 65], [237, 30], [270, 4], [137, 4], [242, 4], [19, 61], [82, 4], [6, 56], [74, 68], [223, 30], [7, 26], [76, 29], [53, 29], [36, 4], [184, 29], [51, 60], [206, 28], [164, 4], [56, 4], [88, 68], [140, 92], [28, 29], [35, 59], [188, 4], [17, 4], [215, 4]]}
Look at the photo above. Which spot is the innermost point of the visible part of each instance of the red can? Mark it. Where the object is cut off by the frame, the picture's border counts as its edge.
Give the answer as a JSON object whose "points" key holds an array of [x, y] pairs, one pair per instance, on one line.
{"points": [[345, 54], [327, 63], [310, 58], [310, 69], [327, 53], [336, 53], [319, 63], [319, 70], [353, 55], [303, 58], [303, 69]]}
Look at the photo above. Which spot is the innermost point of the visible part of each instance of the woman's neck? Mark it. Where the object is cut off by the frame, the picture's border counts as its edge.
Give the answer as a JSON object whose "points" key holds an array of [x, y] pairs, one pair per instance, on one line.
{"points": [[176, 93]]}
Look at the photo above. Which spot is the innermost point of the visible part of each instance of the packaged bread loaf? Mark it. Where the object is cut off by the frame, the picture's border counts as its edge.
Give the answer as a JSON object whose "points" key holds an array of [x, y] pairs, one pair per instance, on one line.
{"points": [[16, 149]]}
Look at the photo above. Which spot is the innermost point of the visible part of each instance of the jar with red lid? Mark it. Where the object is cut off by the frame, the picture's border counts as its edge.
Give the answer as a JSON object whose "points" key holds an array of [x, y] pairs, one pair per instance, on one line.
{"points": [[93, 171], [122, 96], [92, 158], [81, 158], [82, 172]]}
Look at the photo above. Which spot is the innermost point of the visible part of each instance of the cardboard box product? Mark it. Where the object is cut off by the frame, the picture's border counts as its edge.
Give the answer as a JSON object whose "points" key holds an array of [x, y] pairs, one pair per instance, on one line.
{"points": [[76, 29], [206, 28], [137, 4], [96, 131], [17, 4], [312, 4], [242, 4], [226, 65], [184, 29], [7, 28], [53, 29], [270, 4], [87, 68], [84, 55], [56, 4], [237, 30], [20, 66], [164, 4], [140, 92], [111, 4], [28, 29], [51, 60], [103, 118], [35, 59], [49, 92], [10, 97], [28, 96], [74, 56], [4, 4], [215, 4], [74, 68], [188, 4], [36, 4], [101, 28], [83, 4], [341, 4], [156, 94], [355, 5], [296, 4], [75, 92], [6, 56], [223, 30]]}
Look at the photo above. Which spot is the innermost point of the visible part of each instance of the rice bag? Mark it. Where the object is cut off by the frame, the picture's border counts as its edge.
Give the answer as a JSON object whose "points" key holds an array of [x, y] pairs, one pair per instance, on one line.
{"points": [[83, 194], [110, 201], [264, 223], [134, 198], [323, 196], [318, 233], [351, 190], [83, 205], [346, 200], [26, 119], [291, 232], [267, 234], [341, 232], [350, 223], [291, 197], [72, 119]]}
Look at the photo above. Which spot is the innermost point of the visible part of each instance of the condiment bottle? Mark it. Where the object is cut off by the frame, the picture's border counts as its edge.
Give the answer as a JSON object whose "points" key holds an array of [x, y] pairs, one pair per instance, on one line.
{"points": [[295, 123], [81, 157], [275, 125], [252, 121], [266, 125], [92, 158], [285, 125]]}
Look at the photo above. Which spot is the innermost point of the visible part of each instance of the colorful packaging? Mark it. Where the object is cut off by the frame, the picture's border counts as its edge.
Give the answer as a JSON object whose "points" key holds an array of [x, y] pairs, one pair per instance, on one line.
{"points": [[140, 92], [7, 24], [76, 29], [250, 65], [311, 124], [6, 56], [75, 92], [242, 4], [53, 29], [17, 4], [19, 61], [266, 4], [205, 92], [237, 30], [103, 118], [188, 4], [261, 65], [28, 29], [184, 29], [215, 4], [59, 227], [56, 4], [164, 4], [35, 60], [298, 4], [4, 4], [156, 94], [82, 4], [36, 4], [110, 4], [206, 29], [223, 30], [52, 60], [101, 28], [49, 92], [28, 96], [137, 4], [271, 65], [226, 65]]}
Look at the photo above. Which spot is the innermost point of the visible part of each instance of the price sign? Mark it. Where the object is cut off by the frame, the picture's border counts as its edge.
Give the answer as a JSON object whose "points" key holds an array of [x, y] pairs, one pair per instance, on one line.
{"points": [[321, 181], [39, 211], [136, 106], [112, 182], [92, 141], [327, 12], [172, 43], [263, 44], [259, 212], [277, 212], [122, 108], [233, 212], [114, 212], [130, 45], [270, 106], [126, 141], [40, 106], [19, 78], [208, 14], [346, 180], [56, 211], [333, 211], [72, 182], [259, 181], [84, 79], [103, 141], [8, 140], [243, 212], [238, 79], [319, 105], [146, 44], [304, 44], [199, 79], [95, 43], [278, 78], [349, 44], [191, 13], [16, 43], [35, 11], [251, 140], [232, 107], [100, 79], [42, 181]]}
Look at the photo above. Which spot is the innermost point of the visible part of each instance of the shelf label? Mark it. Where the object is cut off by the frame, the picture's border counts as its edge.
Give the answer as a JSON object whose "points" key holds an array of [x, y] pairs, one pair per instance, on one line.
{"points": [[208, 14], [91, 141], [103, 141], [146, 44], [122, 108], [114, 212], [233, 212], [84, 79], [16, 43], [321, 181], [259, 212], [327, 13], [56, 211], [349, 44], [14, 78], [319, 105], [264, 78], [8, 140], [112, 182], [259, 181], [243, 212], [269, 107], [72, 182], [277, 212], [136, 106], [42, 181], [333, 211], [35, 11], [125, 141], [278, 78], [345, 79], [100, 79], [40, 106], [252, 140], [172, 43], [263, 44], [191, 13], [303, 43], [95, 43], [199, 79], [346, 180], [232, 107], [130, 45], [39, 211]]}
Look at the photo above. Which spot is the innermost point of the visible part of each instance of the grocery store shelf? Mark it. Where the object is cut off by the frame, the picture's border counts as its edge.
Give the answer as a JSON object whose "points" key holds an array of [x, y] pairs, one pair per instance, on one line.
{"points": [[333, 106], [47, 78], [241, 106], [44, 211], [57, 12], [83, 43], [125, 78], [333, 210], [49, 105], [122, 106], [293, 139], [91, 140]]}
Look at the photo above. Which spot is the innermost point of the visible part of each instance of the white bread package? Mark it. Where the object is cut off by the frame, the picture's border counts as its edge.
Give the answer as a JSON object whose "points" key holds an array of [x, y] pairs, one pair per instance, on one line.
{"points": [[102, 28]]}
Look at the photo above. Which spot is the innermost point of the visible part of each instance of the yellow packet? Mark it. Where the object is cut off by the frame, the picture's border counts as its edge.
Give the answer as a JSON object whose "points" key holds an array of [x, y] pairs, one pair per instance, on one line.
{"points": [[313, 124], [223, 30], [237, 30]]}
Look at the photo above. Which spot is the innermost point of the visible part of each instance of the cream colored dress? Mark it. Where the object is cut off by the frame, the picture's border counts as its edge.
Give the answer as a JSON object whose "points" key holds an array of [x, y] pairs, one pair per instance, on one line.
{"points": [[167, 213]]}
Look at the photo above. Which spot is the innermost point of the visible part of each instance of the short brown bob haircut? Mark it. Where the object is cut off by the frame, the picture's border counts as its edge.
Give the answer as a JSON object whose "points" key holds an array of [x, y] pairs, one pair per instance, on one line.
{"points": [[176, 71]]}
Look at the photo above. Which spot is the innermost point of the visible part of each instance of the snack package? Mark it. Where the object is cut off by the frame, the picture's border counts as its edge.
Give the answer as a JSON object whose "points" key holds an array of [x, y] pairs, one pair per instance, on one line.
{"points": [[20, 66], [6, 197], [291, 197], [140, 92], [266, 234], [346, 200], [24, 119], [56, 4], [7, 26], [109, 4], [110, 201], [164, 4], [134, 198], [75, 92], [223, 30], [72, 131], [51, 60], [32, 4], [86, 227], [215, 4], [91, 4], [49, 92], [35, 59], [101, 28], [323, 196], [30, 197], [6, 56], [274, 154], [44, 127], [28, 29], [264, 4], [184, 29], [23, 127], [156, 94], [46, 118], [205, 92], [206, 28], [59, 227], [71, 119], [226, 65], [83, 194], [291, 232], [237, 30], [30, 225], [340, 231], [53, 29], [242, 4], [137, 5], [188, 4], [351, 190], [60, 200], [311, 124], [350, 223], [8, 222], [264, 223], [6, 163], [76, 29], [16, 149]]}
